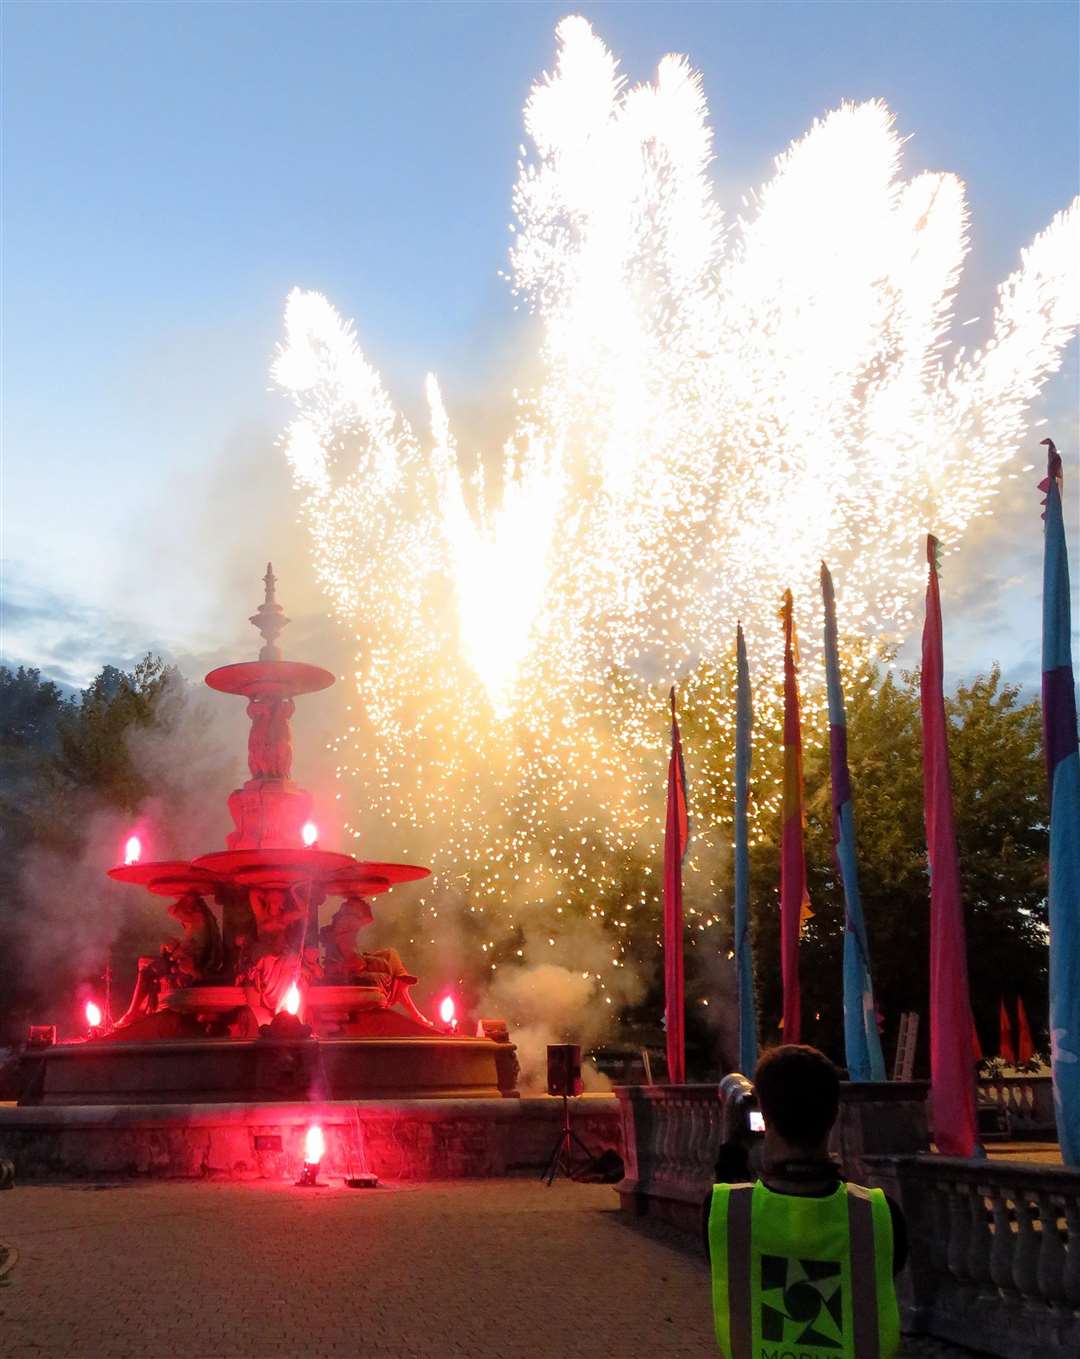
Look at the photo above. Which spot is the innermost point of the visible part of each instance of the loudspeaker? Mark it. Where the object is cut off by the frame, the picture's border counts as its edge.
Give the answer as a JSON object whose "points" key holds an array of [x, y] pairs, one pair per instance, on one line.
{"points": [[564, 1069]]}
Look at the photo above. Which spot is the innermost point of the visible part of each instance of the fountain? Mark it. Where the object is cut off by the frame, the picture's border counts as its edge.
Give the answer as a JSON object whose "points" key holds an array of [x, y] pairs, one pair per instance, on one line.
{"points": [[266, 1005]]}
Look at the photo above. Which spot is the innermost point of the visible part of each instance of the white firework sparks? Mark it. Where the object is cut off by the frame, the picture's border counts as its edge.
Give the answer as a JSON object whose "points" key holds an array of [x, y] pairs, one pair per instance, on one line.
{"points": [[721, 405]]}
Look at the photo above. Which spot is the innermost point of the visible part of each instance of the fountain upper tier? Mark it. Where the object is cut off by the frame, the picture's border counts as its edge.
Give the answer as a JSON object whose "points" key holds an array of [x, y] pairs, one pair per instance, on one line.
{"points": [[270, 677], [268, 848]]}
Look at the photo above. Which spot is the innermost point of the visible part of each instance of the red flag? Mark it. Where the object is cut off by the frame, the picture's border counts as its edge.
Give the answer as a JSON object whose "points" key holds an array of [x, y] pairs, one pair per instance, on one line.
{"points": [[1025, 1048], [794, 899], [1005, 1043], [676, 837], [952, 1061]]}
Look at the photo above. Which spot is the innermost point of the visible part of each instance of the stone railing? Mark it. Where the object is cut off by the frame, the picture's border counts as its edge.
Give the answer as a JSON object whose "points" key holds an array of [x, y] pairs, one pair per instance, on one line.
{"points": [[672, 1135], [671, 1138], [1028, 1103], [995, 1252]]}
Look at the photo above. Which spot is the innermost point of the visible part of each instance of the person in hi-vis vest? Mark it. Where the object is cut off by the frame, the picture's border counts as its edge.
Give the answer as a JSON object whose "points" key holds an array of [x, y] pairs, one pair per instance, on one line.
{"points": [[803, 1263]]}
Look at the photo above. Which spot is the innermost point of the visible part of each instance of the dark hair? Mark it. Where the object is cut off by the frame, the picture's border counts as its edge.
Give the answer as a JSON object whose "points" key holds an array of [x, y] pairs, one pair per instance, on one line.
{"points": [[798, 1089]]}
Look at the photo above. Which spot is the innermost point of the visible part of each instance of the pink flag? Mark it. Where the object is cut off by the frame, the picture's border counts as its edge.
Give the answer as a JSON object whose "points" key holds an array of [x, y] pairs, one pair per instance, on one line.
{"points": [[676, 836], [952, 1058]]}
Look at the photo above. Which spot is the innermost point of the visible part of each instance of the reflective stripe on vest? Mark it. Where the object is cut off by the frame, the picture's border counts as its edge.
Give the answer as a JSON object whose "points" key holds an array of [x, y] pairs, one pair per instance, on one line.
{"points": [[796, 1277]]}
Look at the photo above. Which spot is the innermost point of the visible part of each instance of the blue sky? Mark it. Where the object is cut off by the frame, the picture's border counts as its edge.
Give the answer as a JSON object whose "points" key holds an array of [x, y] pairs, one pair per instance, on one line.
{"points": [[172, 170]]}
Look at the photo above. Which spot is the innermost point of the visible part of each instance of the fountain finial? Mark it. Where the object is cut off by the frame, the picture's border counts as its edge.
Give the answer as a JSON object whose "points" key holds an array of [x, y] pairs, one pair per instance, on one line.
{"points": [[269, 618]]}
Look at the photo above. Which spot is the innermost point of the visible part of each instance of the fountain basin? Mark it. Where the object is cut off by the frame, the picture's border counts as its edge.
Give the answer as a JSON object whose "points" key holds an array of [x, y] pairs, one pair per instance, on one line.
{"points": [[207, 1000], [383, 1065]]}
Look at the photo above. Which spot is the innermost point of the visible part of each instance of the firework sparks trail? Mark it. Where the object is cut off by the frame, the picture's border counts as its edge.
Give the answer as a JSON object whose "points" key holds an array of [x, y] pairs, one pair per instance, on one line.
{"points": [[720, 406]]}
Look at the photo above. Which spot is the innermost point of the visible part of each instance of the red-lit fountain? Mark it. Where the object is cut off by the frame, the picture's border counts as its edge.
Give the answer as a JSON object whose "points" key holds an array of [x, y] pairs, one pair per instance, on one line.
{"points": [[265, 1004]]}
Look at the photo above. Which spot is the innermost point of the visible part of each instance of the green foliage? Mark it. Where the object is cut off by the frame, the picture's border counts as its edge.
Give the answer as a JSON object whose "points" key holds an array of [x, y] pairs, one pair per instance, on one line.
{"points": [[63, 759], [93, 734], [1000, 811]]}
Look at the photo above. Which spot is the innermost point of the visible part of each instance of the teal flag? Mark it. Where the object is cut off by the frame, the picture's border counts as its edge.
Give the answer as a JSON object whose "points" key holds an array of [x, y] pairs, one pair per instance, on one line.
{"points": [[862, 1043], [1063, 772]]}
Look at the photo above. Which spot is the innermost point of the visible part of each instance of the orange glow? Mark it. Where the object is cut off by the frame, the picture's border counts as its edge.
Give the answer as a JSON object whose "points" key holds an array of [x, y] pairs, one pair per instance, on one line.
{"points": [[447, 1009], [291, 1003], [93, 1014], [309, 834], [133, 850], [314, 1145]]}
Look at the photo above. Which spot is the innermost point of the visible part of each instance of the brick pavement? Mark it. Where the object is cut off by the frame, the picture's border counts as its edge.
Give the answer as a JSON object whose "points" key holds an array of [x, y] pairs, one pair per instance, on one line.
{"points": [[498, 1269]]}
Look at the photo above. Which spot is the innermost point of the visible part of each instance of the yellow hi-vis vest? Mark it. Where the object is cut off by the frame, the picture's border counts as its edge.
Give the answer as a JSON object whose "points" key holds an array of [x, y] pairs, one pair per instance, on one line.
{"points": [[796, 1277]]}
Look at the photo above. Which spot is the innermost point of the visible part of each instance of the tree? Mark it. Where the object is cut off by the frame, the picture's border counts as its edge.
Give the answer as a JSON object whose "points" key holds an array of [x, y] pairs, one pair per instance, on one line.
{"points": [[1000, 809], [69, 760], [999, 798]]}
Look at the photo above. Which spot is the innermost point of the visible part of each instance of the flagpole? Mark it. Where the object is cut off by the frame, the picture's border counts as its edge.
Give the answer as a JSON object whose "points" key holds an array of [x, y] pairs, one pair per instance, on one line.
{"points": [[794, 901], [676, 834], [862, 1042], [1063, 777], [744, 968], [952, 1059]]}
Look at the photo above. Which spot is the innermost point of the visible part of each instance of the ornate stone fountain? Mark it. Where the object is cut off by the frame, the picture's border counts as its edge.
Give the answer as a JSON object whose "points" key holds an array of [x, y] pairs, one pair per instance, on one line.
{"points": [[265, 1004]]}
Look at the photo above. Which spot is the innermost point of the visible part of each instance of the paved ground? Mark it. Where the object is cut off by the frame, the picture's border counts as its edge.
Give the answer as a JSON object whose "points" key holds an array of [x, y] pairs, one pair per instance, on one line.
{"points": [[502, 1269]]}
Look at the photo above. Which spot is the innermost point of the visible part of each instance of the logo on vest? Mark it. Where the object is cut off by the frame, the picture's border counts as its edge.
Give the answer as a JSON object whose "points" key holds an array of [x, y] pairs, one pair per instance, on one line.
{"points": [[802, 1305]]}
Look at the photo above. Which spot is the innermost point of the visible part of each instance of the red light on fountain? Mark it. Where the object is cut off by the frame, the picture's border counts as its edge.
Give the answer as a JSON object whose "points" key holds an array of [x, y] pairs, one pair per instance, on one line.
{"points": [[310, 835], [314, 1150], [93, 1019], [448, 1013], [290, 1001], [132, 850]]}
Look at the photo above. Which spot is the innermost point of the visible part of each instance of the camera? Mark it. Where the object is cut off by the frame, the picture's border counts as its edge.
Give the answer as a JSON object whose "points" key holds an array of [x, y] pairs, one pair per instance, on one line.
{"points": [[741, 1120]]}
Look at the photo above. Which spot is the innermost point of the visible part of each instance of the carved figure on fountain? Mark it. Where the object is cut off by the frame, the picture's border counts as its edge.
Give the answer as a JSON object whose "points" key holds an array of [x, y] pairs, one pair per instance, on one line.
{"points": [[196, 955], [275, 966], [270, 738], [345, 963]]}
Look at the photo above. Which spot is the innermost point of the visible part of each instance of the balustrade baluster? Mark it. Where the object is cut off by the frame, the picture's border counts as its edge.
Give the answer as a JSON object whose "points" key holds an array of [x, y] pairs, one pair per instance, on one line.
{"points": [[1028, 1243], [1051, 1258], [959, 1230], [663, 1141], [1001, 1252], [981, 1241]]}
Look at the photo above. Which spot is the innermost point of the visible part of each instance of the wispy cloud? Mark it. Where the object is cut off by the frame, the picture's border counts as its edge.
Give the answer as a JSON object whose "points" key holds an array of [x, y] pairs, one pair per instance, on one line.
{"points": [[62, 636]]}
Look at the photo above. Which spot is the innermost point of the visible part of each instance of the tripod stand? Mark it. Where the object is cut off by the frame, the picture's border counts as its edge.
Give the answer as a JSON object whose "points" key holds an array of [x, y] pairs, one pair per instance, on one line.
{"points": [[562, 1153]]}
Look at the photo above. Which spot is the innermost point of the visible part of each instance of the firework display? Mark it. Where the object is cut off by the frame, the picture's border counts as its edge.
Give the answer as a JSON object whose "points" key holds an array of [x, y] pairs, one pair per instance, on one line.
{"points": [[717, 404]]}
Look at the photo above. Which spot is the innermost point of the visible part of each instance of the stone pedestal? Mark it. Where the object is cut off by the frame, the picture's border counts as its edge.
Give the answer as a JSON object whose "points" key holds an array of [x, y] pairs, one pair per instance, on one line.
{"points": [[268, 814], [395, 1139]]}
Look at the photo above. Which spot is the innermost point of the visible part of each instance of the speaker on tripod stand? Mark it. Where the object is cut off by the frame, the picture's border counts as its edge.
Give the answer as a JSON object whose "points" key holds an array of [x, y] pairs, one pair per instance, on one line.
{"points": [[564, 1080]]}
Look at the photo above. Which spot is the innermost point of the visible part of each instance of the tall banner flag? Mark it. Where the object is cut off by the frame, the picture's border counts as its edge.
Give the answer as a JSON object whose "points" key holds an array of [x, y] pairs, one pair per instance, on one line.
{"points": [[1063, 773], [744, 970], [1005, 1043], [862, 1043], [794, 899], [676, 837], [1025, 1048], [952, 1057]]}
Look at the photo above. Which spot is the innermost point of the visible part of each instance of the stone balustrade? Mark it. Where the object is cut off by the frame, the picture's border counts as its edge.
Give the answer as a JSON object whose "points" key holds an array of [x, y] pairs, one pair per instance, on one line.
{"points": [[995, 1252], [1028, 1103], [672, 1136]]}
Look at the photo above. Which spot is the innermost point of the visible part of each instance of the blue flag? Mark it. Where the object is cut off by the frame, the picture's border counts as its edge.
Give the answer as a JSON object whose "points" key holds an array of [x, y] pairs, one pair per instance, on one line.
{"points": [[862, 1044], [1063, 773], [744, 715]]}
